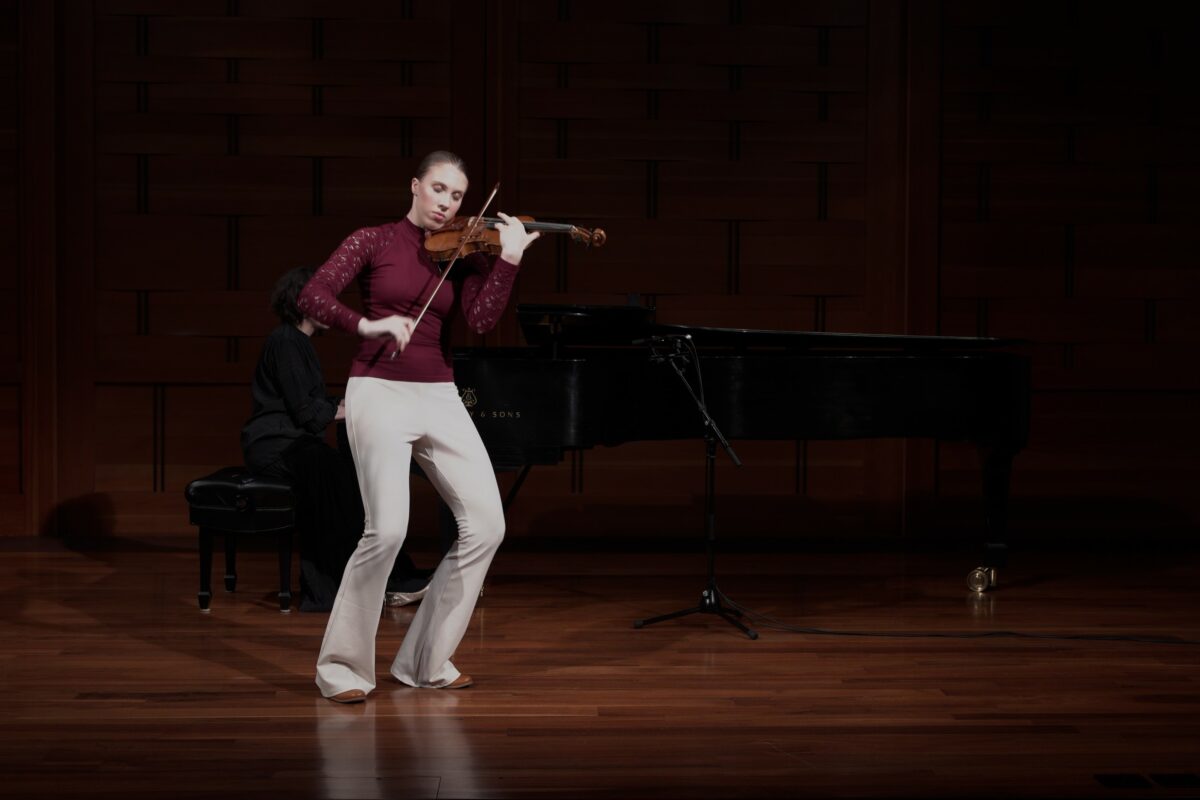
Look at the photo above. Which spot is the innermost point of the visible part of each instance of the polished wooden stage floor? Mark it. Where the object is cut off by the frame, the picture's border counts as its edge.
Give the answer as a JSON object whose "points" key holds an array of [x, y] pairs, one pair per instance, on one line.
{"points": [[115, 685]]}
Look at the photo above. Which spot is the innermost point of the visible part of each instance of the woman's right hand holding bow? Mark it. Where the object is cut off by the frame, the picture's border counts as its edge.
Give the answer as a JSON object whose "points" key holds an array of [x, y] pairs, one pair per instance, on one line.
{"points": [[396, 327]]}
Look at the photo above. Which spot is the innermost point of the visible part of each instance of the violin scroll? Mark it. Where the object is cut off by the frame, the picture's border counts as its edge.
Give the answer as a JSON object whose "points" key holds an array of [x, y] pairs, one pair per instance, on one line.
{"points": [[595, 237]]}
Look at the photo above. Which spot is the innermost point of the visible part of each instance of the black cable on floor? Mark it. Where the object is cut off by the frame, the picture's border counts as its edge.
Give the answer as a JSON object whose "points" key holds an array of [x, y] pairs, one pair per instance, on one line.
{"points": [[763, 621]]}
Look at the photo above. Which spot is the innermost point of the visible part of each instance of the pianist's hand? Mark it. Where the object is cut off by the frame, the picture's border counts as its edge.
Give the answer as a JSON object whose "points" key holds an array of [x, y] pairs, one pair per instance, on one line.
{"points": [[397, 328]]}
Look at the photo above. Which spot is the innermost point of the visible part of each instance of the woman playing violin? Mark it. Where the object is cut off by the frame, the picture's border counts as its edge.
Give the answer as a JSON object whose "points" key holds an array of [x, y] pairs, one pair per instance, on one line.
{"points": [[401, 404]]}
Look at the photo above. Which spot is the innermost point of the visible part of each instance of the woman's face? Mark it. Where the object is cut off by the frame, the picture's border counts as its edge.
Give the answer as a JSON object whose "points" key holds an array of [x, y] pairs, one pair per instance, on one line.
{"points": [[437, 196]]}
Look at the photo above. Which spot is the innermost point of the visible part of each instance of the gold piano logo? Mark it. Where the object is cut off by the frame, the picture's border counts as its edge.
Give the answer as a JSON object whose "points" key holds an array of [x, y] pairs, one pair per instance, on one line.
{"points": [[471, 401]]}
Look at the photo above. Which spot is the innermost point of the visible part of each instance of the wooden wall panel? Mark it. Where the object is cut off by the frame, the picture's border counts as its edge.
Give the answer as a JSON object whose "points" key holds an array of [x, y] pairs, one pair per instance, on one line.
{"points": [[722, 148], [122, 66], [837, 142], [185, 133], [38, 251], [186, 7], [849, 14], [232, 143], [200, 431], [769, 312], [310, 73], [1009, 169], [599, 189], [747, 192], [626, 138], [191, 314], [221, 98], [12, 420], [10, 334], [283, 135], [819, 258], [166, 359], [633, 245], [267, 247], [1003, 260], [229, 185], [1176, 322], [611, 75], [143, 252], [10, 441], [344, 9], [563, 42], [1137, 259], [126, 447], [229, 37], [1060, 161], [628, 11], [1177, 202], [367, 187]]}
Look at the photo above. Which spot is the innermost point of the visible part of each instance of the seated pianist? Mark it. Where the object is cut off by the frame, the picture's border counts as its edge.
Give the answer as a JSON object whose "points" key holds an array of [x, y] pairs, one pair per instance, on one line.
{"points": [[284, 438]]}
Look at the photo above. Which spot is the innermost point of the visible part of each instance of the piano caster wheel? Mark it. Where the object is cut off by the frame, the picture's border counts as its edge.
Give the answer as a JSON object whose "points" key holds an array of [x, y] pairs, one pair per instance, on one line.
{"points": [[980, 579]]}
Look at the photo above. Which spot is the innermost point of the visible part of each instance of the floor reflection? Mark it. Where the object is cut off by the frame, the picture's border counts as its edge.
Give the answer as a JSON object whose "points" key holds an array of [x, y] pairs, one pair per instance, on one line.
{"points": [[401, 743]]}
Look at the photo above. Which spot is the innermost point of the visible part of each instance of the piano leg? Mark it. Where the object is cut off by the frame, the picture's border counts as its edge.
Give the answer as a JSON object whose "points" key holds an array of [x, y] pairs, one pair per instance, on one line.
{"points": [[516, 487], [997, 472]]}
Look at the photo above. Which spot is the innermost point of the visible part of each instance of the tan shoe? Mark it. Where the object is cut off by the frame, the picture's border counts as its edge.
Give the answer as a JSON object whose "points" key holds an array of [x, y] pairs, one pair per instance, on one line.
{"points": [[397, 599], [461, 682], [349, 696]]}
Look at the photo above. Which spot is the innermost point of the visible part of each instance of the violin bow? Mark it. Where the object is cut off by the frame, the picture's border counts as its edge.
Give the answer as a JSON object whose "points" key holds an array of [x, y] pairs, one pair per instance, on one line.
{"points": [[462, 242]]}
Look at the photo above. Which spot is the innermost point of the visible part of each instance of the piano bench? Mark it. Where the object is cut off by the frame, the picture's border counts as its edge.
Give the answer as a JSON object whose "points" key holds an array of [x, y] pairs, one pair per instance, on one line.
{"points": [[233, 502]]}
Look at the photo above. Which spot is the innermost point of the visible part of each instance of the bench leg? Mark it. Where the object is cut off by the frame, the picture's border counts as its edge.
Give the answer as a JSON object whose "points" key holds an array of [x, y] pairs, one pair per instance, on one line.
{"points": [[285, 571], [206, 547], [230, 562]]}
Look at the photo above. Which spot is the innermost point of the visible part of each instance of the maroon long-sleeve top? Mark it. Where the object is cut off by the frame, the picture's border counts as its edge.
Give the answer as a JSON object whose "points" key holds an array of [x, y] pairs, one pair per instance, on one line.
{"points": [[396, 276]]}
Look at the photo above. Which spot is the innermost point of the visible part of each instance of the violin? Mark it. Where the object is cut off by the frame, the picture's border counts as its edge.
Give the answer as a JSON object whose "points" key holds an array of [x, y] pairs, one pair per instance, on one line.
{"points": [[478, 234], [443, 243]]}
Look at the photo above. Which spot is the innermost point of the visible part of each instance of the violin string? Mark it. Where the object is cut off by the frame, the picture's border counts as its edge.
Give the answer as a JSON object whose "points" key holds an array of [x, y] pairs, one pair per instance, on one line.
{"points": [[462, 243], [487, 222], [548, 227], [475, 223]]}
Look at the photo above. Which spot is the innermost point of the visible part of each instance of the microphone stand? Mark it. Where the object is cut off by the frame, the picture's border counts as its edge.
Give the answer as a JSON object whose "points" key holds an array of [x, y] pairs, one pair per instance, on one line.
{"points": [[678, 350]]}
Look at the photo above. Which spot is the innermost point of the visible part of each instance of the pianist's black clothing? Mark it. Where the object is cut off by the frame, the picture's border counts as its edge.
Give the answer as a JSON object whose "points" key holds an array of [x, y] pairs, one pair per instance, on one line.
{"points": [[284, 438], [289, 398]]}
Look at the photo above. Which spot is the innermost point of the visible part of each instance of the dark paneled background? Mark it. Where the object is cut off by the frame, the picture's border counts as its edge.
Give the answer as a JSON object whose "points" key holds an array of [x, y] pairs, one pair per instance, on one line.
{"points": [[1005, 169]]}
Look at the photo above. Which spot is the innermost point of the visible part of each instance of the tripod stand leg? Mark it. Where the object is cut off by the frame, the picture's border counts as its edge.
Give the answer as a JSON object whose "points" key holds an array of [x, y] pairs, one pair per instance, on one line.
{"points": [[710, 603], [664, 617], [737, 623]]}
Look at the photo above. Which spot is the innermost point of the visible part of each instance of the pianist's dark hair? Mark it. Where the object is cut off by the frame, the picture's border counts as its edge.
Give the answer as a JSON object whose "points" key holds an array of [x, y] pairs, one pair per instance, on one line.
{"points": [[440, 157], [287, 290]]}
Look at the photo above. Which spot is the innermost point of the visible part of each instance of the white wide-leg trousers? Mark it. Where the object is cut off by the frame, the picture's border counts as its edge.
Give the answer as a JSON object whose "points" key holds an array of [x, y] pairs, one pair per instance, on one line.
{"points": [[388, 423]]}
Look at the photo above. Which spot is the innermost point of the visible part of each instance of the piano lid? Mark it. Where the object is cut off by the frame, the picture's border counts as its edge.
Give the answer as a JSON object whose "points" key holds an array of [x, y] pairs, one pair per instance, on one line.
{"points": [[825, 340], [546, 325]]}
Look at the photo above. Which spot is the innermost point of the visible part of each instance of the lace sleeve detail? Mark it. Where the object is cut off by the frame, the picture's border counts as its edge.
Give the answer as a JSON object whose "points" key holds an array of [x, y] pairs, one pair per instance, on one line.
{"points": [[319, 298], [486, 291]]}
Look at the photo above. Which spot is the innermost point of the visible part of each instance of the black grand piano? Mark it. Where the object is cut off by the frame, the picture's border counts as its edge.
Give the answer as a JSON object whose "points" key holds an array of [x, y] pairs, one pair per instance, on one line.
{"points": [[589, 377]]}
